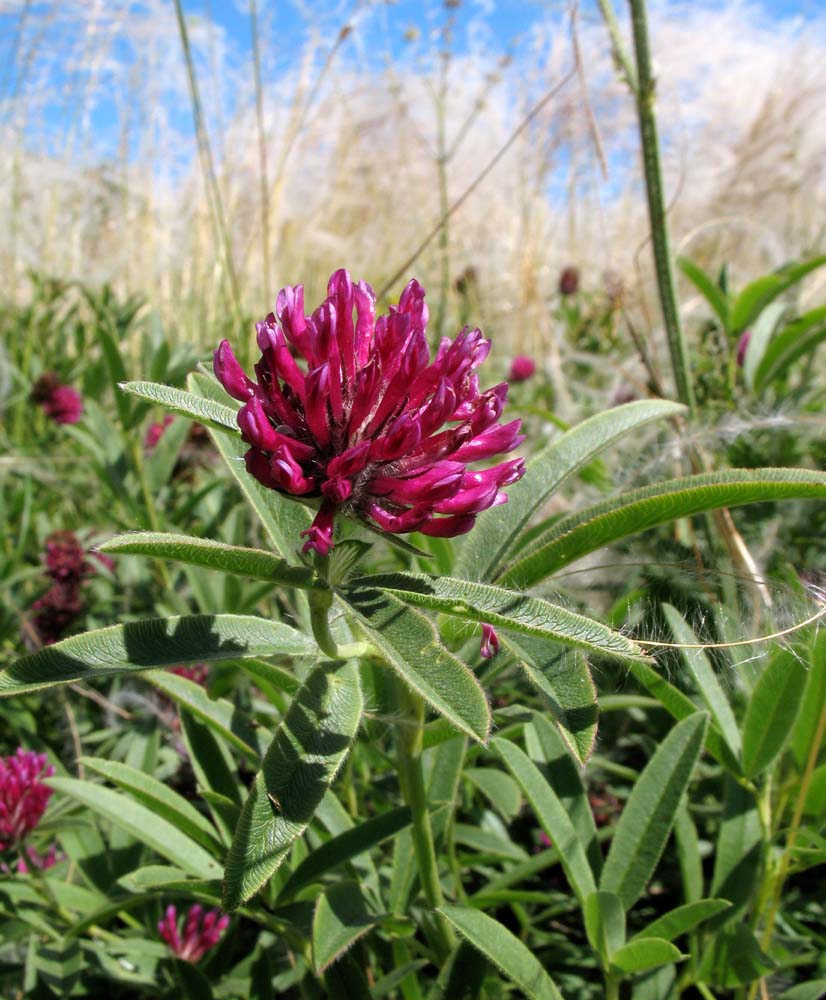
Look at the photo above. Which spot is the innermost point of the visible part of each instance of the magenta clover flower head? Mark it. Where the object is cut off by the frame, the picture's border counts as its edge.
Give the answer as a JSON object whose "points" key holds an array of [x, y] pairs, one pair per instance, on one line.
{"points": [[522, 368], [60, 402], [198, 673], [23, 796], [351, 409], [201, 931]]}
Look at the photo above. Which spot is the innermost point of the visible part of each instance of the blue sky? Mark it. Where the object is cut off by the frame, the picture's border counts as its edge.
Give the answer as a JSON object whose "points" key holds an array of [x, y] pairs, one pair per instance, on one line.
{"points": [[383, 29]]}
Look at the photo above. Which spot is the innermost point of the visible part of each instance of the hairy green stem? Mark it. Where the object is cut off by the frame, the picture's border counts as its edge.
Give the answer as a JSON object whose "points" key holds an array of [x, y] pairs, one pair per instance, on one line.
{"points": [[663, 266], [409, 737]]}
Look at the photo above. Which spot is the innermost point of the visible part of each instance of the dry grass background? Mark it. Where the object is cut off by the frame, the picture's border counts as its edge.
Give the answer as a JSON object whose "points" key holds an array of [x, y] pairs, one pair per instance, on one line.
{"points": [[100, 179]]}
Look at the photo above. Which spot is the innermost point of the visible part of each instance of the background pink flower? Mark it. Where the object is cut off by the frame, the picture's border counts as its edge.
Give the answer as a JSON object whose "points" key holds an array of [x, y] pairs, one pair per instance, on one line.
{"points": [[201, 931], [522, 368], [23, 796]]}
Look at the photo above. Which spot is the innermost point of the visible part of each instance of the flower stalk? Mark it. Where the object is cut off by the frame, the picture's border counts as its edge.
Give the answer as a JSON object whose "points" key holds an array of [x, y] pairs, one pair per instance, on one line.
{"points": [[409, 732], [644, 92]]}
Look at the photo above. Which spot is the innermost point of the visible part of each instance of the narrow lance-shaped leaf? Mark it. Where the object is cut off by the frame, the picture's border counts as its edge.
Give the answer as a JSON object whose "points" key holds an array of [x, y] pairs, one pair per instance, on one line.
{"points": [[604, 920], [645, 953], [550, 752], [505, 950], [772, 711], [155, 642], [680, 706], [551, 814], [144, 824], [497, 532], [646, 821], [505, 609], [205, 410], [309, 747], [591, 529], [159, 797], [220, 715], [344, 847], [340, 919], [683, 919], [759, 293], [408, 640], [705, 678], [255, 563], [796, 340], [760, 335], [710, 290], [564, 681]]}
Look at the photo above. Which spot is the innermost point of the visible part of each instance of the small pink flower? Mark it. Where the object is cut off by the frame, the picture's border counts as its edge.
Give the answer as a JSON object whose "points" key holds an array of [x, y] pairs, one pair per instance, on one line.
{"points": [[742, 347], [569, 281], [60, 402], [23, 796], [522, 368], [57, 610], [201, 931], [65, 557], [490, 642], [155, 432], [197, 672], [351, 410], [40, 861]]}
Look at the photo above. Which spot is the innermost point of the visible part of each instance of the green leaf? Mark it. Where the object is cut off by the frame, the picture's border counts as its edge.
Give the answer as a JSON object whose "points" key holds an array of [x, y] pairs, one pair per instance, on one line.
{"points": [[340, 919], [814, 698], [498, 787], [283, 518], [343, 848], [604, 920], [760, 335], [708, 685], [644, 954], [732, 958], [796, 340], [681, 707], [145, 645], [188, 405], [504, 950], [564, 681], [756, 296], [141, 823], [591, 529], [682, 919], [815, 990], [309, 747], [551, 814], [408, 640], [254, 563], [497, 532], [710, 290], [222, 716], [772, 710], [549, 752], [160, 798], [738, 856], [687, 844], [481, 602], [646, 820]]}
